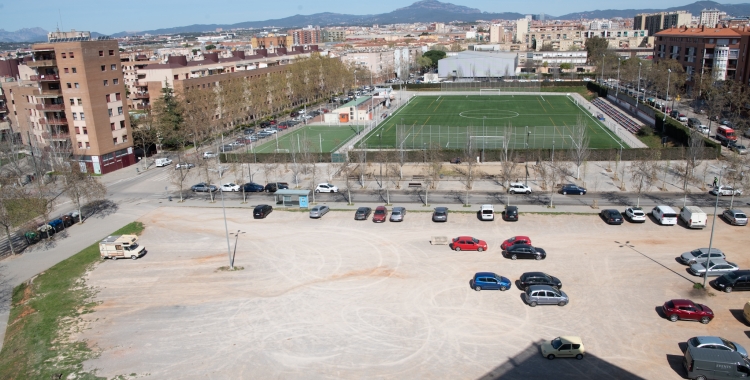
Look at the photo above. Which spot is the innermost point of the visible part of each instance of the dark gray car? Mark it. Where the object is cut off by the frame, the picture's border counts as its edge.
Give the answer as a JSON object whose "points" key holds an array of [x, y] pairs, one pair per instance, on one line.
{"points": [[440, 214], [397, 214], [700, 255], [544, 295]]}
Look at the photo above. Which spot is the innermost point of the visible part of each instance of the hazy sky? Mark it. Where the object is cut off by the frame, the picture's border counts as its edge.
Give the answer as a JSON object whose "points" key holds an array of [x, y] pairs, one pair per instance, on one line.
{"points": [[107, 16]]}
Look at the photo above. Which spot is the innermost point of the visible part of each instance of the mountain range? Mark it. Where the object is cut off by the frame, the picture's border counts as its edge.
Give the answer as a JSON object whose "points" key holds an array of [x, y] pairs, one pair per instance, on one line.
{"points": [[421, 11]]}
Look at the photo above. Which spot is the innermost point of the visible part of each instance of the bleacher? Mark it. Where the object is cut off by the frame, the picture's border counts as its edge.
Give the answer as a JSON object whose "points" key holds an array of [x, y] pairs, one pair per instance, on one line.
{"points": [[617, 116]]}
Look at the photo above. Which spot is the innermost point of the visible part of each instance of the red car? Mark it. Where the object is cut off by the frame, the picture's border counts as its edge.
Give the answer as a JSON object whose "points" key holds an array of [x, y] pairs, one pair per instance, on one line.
{"points": [[282, 126], [468, 243], [687, 310], [380, 214], [515, 240]]}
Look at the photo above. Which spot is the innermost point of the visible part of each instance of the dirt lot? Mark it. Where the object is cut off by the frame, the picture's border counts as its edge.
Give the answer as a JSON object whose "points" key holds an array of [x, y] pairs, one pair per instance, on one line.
{"points": [[335, 298]]}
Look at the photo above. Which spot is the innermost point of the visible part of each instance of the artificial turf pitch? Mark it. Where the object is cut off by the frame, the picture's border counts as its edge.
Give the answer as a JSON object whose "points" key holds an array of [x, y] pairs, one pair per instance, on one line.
{"points": [[548, 117], [311, 138]]}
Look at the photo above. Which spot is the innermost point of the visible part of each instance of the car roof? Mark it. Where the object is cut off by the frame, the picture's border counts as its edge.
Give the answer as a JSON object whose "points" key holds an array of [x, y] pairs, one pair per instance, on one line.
{"points": [[485, 274], [713, 355], [363, 208], [398, 208], [380, 208], [509, 208], [516, 246], [683, 302], [520, 237], [708, 339], [736, 210], [441, 208], [572, 339], [540, 287], [534, 274], [465, 237]]}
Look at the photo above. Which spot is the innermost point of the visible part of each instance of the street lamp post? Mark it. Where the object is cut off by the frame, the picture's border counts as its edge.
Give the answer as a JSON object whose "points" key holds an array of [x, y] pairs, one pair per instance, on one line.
{"points": [[617, 92], [639, 81], [236, 237], [603, 67], [713, 225], [380, 152], [224, 211], [664, 120]]}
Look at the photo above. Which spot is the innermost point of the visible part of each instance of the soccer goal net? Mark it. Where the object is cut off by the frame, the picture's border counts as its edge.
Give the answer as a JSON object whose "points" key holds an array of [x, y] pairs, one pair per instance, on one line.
{"points": [[489, 91]]}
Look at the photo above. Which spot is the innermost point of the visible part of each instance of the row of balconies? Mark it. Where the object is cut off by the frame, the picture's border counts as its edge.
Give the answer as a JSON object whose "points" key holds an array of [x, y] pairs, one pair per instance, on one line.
{"points": [[45, 78], [50, 107], [62, 135], [42, 63], [140, 95], [54, 121]]}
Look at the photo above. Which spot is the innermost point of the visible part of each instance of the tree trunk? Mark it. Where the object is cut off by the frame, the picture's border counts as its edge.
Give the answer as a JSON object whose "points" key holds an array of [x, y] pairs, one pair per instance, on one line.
{"points": [[10, 240], [80, 215]]}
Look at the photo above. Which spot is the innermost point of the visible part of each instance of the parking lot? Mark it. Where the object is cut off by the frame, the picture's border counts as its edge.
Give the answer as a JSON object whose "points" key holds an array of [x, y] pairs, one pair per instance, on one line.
{"points": [[335, 298]]}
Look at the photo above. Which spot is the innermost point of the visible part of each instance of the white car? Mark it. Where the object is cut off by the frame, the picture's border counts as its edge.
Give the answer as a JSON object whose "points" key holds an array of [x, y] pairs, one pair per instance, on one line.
{"points": [[208, 155], [326, 188], [230, 187], [519, 187], [635, 214], [702, 129], [269, 130], [682, 118], [725, 190]]}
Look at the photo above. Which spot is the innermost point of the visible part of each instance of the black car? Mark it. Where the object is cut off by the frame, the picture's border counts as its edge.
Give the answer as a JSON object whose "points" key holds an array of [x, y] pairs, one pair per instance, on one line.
{"points": [[539, 278], [274, 186], [611, 216], [362, 213], [252, 187], [262, 211], [572, 189], [737, 280], [510, 213], [524, 251]]}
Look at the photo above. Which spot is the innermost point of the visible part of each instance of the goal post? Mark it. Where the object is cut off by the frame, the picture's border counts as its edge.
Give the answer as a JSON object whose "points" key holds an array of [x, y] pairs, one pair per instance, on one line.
{"points": [[490, 91]]}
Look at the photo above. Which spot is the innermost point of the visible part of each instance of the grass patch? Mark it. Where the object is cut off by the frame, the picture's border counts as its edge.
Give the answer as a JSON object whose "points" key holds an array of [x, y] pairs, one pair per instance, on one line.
{"points": [[43, 314]]}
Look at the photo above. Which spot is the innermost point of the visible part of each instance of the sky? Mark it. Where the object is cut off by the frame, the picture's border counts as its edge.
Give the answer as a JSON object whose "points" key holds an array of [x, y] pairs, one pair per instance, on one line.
{"points": [[108, 16]]}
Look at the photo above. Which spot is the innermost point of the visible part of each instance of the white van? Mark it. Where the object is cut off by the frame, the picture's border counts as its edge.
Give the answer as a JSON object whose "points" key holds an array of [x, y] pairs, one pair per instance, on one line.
{"points": [[487, 212], [665, 215], [163, 162], [693, 217]]}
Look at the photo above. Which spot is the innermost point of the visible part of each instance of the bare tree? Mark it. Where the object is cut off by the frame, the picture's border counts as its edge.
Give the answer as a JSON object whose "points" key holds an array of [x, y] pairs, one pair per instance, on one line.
{"points": [[642, 176], [17, 205], [580, 152], [81, 187]]}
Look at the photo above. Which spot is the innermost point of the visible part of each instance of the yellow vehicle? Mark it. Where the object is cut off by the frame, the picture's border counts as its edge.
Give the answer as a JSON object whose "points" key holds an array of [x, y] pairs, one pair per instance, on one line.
{"points": [[121, 246], [563, 347], [746, 312]]}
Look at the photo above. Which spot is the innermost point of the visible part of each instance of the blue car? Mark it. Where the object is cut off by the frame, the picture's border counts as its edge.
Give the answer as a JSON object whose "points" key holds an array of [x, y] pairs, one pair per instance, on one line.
{"points": [[489, 281], [572, 189], [252, 187]]}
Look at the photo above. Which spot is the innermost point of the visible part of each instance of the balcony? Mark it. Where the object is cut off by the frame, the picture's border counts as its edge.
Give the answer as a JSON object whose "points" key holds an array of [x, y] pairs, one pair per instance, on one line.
{"points": [[140, 95], [142, 106], [45, 78], [47, 93], [50, 107], [45, 121], [42, 63], [56, 136]]}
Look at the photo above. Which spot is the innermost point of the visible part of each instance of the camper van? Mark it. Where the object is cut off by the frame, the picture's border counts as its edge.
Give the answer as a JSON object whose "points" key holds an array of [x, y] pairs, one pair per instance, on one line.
{"points": [[119, 246], [693, 217], [725, 134], [163, 162]]}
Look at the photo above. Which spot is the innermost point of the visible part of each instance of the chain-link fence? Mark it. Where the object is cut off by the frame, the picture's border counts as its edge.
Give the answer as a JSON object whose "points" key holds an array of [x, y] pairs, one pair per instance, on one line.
{"points": [[483, 137], [507, 84]]}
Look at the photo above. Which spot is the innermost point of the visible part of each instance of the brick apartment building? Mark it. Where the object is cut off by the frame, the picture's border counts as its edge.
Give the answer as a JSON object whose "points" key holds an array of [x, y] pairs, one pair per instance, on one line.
{"points": [[722, 51], [68, 100], [306, 36]]}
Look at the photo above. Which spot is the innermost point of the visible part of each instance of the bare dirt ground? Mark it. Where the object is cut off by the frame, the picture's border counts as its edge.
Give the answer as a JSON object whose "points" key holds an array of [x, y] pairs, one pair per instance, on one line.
{"points": [[335, 298]]}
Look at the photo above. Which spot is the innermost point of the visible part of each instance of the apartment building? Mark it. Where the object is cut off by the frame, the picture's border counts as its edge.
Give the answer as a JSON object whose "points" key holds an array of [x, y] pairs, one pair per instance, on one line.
{"points": [[130, 64], [69, 99], [655, 22], [306, 36], [622, 38], [721, 51], [333, 35], [271, 41], [711, 17]]}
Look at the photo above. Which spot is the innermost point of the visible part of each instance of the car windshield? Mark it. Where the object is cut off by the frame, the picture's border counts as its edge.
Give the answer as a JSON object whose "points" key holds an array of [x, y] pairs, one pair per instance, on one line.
{"points": [[512, 239], [698, 307], [475, 240], [380, 212], [396, 212], [131, 247], [742, 216], [729, 344], [696, 252], [556, 343]]}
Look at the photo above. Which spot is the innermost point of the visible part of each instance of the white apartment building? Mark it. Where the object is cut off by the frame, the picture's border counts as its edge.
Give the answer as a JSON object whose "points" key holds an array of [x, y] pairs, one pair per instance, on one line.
{"points": [[711, 17]]}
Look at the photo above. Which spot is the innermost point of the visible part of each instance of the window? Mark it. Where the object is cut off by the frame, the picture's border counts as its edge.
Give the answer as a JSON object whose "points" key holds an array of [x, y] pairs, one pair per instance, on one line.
{"points": [[104, 68], [80, 145], [75, 117], [115, 81], [113, 66], [106, 82], [122, 124], [112, 126], [78, 130], [80, 102], [108, 98], [101, 53], [119, 110], [77, 86], [71, 54], [111, 52], [72, 101], [65, 70], [124, 138], [85, 131], [74, 70], [117, 96], [114, 140], [63, 55], [110, 112], [176, 76], [565, 347], [69, 86], [83, 118], [87, 145]]}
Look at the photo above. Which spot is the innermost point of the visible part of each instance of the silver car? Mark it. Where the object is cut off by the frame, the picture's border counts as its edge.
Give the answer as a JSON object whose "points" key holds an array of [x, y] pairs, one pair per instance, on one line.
{"points": [[700, 255], [716, 268], [440, 214], [319, 211], [397, 214], [544, 295], [736, 217], [716, 343]]}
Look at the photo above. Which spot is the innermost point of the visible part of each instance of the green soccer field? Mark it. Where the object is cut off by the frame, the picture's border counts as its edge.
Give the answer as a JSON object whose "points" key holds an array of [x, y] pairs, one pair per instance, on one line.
{"points": [[527, 121], [312, 138]]}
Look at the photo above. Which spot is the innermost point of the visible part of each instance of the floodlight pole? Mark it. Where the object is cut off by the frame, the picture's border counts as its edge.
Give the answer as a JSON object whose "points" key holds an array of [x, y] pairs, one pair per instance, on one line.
{"points": [[664, 120], [639, 82], [713, 225], [617, 92]]}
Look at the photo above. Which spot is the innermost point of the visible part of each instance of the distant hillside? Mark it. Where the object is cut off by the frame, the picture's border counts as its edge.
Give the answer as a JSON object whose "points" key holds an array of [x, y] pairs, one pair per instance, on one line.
{"points": [[694, 8], [23, 35]]}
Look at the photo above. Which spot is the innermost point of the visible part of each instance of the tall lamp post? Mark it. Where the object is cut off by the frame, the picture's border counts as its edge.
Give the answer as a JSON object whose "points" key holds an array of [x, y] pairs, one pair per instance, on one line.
{"points": [[664, 120], [220, 170], [639, 82], [603, 67], [713, 225], [617, 92], [236, 237]]}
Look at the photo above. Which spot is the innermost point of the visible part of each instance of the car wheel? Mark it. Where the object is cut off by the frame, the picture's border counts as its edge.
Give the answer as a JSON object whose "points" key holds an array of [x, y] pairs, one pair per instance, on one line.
{"points": [[728, 289], [532, 303], [579, 356], [512, 191], [538, 257], [480, 249], [674, 318], [564, 192], [477, 288], [503, 287], [691, 262], [133, 257], [562, 303], [513, 257], [317, 191], [701, 377], [457, 249], [112, 258], [705, 320], [550, 356]]}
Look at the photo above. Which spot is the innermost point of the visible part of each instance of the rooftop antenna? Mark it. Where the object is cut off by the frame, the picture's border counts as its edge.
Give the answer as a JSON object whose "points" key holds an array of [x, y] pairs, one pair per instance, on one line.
{"points": [[60, 15]]}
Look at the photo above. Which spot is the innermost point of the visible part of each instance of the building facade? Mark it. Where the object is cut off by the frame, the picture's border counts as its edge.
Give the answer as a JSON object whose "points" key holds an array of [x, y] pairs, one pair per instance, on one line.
{"points": [[656, 22], [333, 35], [306, 36], [711, 17]]}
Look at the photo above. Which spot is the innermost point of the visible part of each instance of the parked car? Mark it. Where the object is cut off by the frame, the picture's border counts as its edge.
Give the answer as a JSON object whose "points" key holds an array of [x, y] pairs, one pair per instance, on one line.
{"points": [[539, 278], [318, 211], [611, 216], [380, 214], [252, 187], [703, 129], [735, 216], [544, 295], [468, 243], [456, 160], [737, 280], [182, 165], [440, 214], [208, 155], [572, 189], [519, 187], [489, 281], [230, 187], [273, 187], [739, 149], [635, 214], [163, 162], [725, 191], [203, 188], [693, 217], [679, 309], [397, 214], [326, 188], [226, 148], [524, 251], [700, 255], [515, 240], [563, 347], [261, 211], [707, 363], [716, 343], [487, 212], [362, 213], [510, 213], [715, 268], [664, 215]]}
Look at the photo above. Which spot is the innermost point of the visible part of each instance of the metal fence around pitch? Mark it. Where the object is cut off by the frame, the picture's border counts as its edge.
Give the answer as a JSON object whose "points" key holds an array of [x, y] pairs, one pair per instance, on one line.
{"points": [[508, 84], [483, 137]]}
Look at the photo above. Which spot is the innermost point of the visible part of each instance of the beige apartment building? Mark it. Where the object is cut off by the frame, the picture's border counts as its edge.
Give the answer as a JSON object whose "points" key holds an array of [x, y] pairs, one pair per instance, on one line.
{"points": [[69, 101]]}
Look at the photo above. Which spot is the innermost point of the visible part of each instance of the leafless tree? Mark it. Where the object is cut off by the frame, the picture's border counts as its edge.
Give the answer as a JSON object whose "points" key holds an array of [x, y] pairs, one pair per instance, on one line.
{"points": [[17, 205], [642, 176], [580, 152], [80, 187]]}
